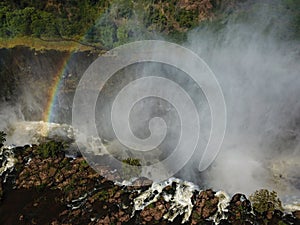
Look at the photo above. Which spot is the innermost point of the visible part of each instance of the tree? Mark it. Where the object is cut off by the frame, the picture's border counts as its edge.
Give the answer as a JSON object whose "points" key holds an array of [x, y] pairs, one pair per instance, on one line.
{"points": [[19, 21]]}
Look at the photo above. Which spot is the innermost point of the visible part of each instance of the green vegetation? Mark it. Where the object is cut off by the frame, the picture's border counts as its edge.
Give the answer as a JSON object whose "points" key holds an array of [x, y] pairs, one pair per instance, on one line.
{"points": [[70, 187], [106, 24], [99, 22], [131, 168], [264, 200], [48, 19], [39, 44], [102, 195], [132, 162], [49, 149]]}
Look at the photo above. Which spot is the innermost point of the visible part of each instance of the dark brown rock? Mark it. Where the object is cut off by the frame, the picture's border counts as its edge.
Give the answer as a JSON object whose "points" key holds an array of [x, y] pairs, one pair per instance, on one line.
{"points": [[296, 214]]}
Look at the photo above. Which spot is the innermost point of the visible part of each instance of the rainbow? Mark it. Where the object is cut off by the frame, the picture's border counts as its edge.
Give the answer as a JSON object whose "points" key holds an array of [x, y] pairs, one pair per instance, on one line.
{"points": [[48, 113], [54, 88]]}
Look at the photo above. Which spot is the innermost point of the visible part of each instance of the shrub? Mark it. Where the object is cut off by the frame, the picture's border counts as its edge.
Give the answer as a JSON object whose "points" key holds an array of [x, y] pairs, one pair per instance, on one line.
{"points": [[131, 168], [264, 200], [50, 149]]}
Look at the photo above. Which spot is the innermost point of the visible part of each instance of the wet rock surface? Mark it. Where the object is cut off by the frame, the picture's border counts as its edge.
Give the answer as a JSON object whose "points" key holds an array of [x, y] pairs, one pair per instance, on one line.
{"points": [[54, 189], [206, 205], [26, 73]]}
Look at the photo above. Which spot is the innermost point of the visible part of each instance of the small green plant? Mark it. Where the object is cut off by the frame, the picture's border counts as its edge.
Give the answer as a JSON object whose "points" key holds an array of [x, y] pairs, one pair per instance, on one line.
{"points": [[264, 200], [69, 188], [132, 162], [83, 165], [49, 149], [131, 168]]}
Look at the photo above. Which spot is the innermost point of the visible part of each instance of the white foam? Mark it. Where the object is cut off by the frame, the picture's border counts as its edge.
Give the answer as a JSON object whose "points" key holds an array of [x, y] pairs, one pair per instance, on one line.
{"points": [[8, 160], [180, 202]]}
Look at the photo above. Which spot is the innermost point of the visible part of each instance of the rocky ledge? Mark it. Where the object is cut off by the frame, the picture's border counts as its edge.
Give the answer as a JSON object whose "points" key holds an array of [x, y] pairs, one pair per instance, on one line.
{"points": [[40, 185]]}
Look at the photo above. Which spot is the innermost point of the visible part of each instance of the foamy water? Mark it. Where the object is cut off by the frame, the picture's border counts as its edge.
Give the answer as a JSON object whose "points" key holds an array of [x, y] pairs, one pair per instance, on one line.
{"points": [[32, 132]]}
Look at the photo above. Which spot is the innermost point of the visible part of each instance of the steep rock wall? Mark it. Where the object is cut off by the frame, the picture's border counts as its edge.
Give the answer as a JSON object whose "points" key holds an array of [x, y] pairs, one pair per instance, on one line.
{"points": [[27, 77]]}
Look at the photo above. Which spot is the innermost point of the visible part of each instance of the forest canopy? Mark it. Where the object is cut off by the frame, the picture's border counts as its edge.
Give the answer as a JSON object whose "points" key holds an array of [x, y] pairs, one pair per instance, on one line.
{"points": [[113, 22]]}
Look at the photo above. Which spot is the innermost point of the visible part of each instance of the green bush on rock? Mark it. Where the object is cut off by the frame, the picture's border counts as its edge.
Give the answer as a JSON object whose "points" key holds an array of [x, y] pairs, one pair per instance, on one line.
{"points": [[50, 149], [264, 200], [131, 168]]}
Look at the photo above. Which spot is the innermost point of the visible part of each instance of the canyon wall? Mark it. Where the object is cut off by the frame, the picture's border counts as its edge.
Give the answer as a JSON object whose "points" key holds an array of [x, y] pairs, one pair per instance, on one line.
{"points": [[28, 77]]}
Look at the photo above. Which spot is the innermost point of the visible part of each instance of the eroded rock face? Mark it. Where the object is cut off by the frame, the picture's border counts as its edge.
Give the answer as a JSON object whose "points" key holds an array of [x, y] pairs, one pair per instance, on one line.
{"points": [[60, 190], [27, 77], [206, 205]]}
